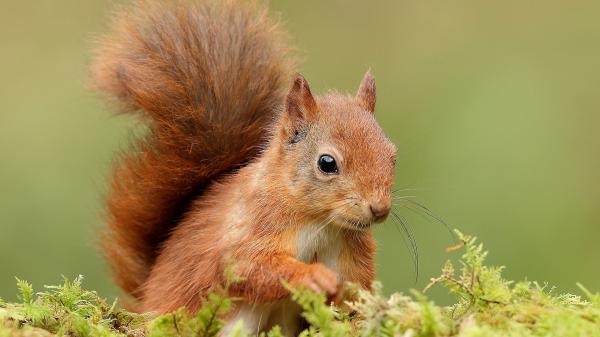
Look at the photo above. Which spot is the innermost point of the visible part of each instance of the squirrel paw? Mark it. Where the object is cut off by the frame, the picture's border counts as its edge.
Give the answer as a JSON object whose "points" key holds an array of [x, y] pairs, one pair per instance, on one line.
{"points": [[320, 279]]}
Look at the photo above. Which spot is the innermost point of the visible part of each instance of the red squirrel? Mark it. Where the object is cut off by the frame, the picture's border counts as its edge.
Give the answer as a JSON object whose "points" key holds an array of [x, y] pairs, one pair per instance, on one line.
{"points": [[240, 164]]}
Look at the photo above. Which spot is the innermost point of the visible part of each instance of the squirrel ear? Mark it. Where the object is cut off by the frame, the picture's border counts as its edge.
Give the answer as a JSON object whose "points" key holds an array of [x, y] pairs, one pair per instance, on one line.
{"points": [[366, 93], [300, 104]]}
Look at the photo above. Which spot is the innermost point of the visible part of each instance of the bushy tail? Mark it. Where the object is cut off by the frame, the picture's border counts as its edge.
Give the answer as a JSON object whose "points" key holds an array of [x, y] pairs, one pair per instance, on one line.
{"points": [[206, 77]]}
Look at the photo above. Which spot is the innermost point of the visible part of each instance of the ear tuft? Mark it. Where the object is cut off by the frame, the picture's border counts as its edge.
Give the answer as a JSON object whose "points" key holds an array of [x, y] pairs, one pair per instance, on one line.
{"points": [[366, 94], [300, 103]]}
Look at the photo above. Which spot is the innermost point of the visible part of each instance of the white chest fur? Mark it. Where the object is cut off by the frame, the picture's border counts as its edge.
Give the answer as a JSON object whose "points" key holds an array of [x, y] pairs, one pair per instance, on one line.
{"points": [[321, 243]]}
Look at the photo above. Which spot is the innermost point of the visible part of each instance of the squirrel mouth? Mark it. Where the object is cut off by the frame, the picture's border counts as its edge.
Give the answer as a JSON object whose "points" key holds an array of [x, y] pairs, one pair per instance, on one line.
{"points": [[357, 225], [362, 225]]}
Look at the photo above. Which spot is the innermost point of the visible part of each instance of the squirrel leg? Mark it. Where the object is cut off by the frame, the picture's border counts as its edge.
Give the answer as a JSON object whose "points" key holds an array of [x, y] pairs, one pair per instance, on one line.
{"points": [[263, 276]]}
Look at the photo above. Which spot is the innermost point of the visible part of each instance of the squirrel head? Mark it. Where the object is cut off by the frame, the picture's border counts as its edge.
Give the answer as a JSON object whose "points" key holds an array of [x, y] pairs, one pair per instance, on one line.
{"points": [[335, 160]]}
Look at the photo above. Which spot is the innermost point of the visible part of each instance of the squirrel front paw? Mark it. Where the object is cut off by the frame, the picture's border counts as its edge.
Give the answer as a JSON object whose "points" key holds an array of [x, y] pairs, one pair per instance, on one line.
{"points": [[319, 279]]}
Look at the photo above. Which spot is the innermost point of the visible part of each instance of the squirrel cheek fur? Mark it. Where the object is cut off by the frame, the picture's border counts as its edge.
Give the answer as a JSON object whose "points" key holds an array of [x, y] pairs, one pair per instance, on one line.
{"points": [[228, 172]]}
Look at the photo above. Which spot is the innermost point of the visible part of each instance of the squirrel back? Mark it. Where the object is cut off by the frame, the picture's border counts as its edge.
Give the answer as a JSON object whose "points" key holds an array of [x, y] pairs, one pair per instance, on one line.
{"points": [[207, 79]]}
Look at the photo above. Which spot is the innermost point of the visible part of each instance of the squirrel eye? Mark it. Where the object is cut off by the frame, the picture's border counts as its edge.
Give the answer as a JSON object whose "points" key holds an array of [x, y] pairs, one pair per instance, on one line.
{"points": [[327, 164]]}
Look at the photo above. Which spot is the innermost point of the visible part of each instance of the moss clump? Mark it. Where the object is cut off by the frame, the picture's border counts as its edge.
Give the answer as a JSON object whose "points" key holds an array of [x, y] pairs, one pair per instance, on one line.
{"points": [[486, 305], [67, 309]]}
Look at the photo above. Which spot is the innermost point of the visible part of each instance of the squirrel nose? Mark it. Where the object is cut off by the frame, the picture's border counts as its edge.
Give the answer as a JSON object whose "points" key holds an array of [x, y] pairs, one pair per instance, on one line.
{"points": [[380, 211]]}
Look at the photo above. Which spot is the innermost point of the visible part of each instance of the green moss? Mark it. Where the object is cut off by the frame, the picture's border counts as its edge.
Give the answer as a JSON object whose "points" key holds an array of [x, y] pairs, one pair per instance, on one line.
{"points": [[67, 309], [486, 305]]}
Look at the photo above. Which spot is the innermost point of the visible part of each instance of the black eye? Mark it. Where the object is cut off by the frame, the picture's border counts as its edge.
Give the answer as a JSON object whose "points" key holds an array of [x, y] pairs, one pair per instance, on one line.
{"points": [[327, 164]]}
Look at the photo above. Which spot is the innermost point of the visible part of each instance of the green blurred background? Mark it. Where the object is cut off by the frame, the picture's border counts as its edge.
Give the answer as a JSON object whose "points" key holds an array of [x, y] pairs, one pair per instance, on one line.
{"points": [[494, 107]]}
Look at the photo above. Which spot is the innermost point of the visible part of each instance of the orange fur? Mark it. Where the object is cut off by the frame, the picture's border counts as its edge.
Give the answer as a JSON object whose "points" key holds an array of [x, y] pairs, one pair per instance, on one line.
{"points": [[229, 172], [206, 98]]}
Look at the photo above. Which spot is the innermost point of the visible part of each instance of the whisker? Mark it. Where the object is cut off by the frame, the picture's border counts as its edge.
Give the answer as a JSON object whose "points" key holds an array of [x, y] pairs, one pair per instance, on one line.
{"points": [[413, 241], [406, 189], [429, 213], [413, 248], [408, 248], [396, 197]]}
